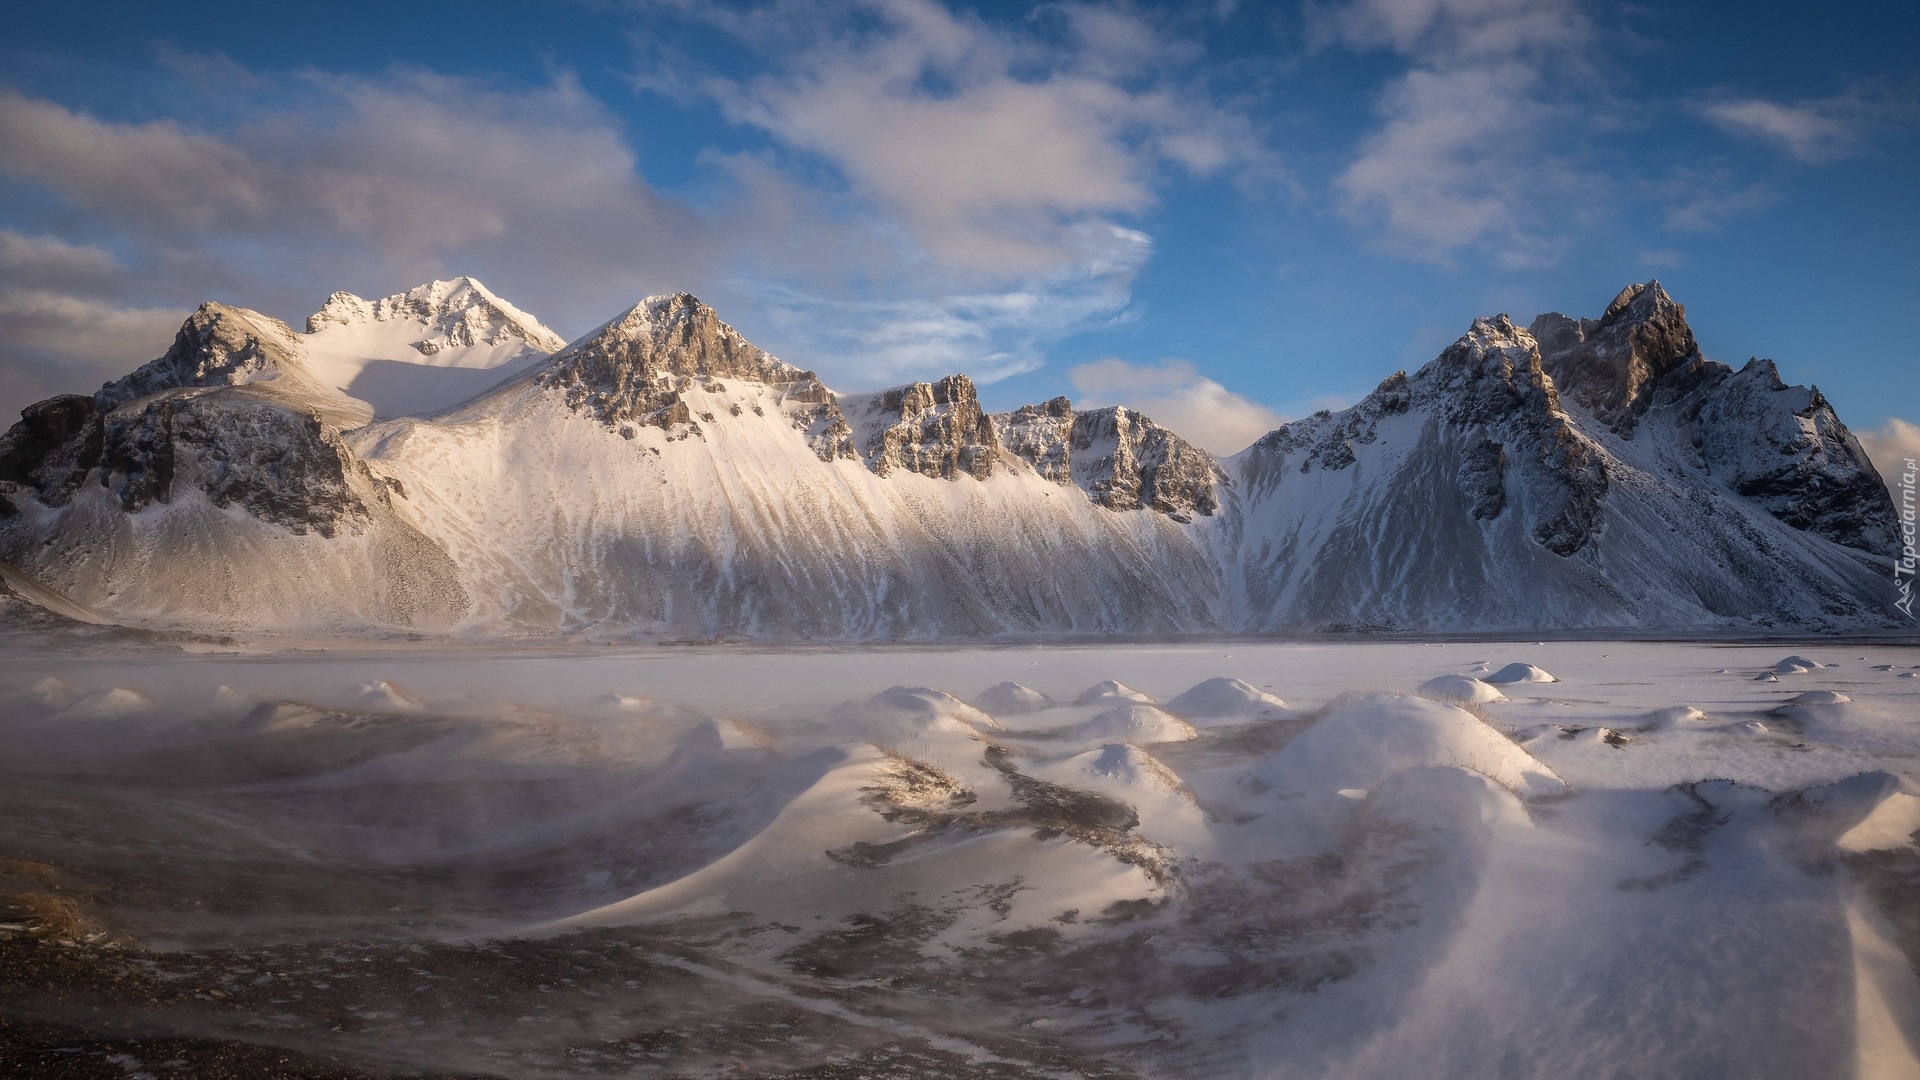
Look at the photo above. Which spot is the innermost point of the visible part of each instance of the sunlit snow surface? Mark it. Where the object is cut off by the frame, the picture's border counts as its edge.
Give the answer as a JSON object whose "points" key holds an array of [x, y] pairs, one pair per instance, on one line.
{"points": [[717, 861]]}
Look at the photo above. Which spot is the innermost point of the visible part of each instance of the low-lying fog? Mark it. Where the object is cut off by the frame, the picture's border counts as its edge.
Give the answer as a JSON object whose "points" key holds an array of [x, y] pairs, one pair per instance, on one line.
{"points": [[1233, 860]]}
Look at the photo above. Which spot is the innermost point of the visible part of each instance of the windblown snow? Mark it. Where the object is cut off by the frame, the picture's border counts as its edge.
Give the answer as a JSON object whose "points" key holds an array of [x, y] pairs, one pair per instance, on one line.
{"points": [[825, 862]]}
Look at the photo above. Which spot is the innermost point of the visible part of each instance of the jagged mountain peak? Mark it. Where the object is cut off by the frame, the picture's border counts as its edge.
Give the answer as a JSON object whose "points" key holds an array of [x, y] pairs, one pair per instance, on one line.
{"points": [[1118, 456], [637, 369], [455, 313], [1610, 364], [932, 428], [1461, 495], [1640, 302], [672, 335], [218, 345]]}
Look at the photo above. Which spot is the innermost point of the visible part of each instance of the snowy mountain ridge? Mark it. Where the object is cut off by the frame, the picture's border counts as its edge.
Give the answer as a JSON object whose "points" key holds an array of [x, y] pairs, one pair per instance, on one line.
{"points": [[437, 461]]}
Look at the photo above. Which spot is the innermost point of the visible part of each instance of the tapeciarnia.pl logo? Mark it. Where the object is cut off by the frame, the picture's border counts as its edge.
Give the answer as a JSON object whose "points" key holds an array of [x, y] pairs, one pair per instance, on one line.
{"points": [[1903, 566]]}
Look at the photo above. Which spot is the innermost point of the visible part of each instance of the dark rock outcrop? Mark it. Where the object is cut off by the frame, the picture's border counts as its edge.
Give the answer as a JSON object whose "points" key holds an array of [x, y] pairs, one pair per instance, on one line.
{"points": [[935, 429], [1329, 438], [1780, 446], [1041, 435], [1119, 457], [1490, 386], [1124, 461], [1607, 364], [1783, 448], [217, 346], [278, 464], [638, 368]]}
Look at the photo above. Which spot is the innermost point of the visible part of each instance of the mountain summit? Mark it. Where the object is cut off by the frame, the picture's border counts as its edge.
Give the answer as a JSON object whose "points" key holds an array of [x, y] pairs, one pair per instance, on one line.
{"points": [[438, 461]]}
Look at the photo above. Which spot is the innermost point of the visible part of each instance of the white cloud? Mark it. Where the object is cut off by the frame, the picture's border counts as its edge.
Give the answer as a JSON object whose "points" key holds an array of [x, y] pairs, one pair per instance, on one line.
{"points": [[989, 145], [1461, 156], [1176, 396], [1703, 200], [940, 193], [989, 334], [1458, 29], [380, 180], [1889, 446], [1814, 131]]}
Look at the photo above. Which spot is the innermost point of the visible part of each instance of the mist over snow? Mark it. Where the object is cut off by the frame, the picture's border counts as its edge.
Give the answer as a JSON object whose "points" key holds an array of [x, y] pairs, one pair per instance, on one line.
{"points": [[1342, 538]]}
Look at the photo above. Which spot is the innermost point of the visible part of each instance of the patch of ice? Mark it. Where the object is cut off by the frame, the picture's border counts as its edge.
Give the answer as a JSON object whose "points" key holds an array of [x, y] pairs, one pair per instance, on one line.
{"points": [[1796, 665], [1362, 744], [1459, 690]]}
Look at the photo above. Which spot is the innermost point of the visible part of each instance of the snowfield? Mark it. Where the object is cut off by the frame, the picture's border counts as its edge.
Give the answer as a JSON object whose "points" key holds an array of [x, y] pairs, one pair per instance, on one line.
{"points": [[1225, 859]]}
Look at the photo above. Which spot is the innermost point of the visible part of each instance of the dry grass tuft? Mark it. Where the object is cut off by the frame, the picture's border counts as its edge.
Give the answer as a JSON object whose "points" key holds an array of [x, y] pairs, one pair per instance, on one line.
{"points": [[45, 915]]}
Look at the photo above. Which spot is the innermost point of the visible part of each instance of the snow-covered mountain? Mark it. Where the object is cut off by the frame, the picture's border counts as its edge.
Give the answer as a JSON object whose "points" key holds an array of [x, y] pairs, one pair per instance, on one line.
{"points": [[423, 349], [438, 461]]}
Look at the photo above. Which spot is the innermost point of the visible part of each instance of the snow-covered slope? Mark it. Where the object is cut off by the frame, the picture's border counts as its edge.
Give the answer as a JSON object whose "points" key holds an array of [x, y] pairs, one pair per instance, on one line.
{"points": [[1475, 494], [424, 349], [662, 476]]}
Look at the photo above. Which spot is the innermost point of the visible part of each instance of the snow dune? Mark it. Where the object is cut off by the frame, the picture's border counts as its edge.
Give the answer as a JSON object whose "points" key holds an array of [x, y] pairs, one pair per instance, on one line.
{"points": [[1664, 868]]}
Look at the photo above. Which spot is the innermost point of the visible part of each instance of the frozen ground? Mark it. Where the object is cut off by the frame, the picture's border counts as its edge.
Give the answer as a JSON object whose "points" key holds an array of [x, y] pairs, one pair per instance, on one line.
{"points": [[1207, 860]]}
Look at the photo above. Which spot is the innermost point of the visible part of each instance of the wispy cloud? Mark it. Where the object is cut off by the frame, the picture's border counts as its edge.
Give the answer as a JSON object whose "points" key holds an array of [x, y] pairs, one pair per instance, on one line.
{"points": [[1460, 157], [980, 180], [1175, 395], [1699, 200], [1815, 131]]}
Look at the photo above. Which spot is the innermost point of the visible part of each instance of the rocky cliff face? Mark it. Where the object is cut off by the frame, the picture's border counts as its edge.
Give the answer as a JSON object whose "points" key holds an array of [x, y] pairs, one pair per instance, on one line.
{"points": [[1125, 461], [664, 476], [1783, 448], [228, 411], [217, 346], [1490, 389], [1492, 383], [191, 484], [935, 429], [1609, 364], [1042, 436], [1778, 446], [643, 368], [1119, 457]]}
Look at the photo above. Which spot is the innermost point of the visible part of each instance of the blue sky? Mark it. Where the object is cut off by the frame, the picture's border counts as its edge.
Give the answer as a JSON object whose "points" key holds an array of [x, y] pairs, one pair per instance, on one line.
{"points": [[1227, 214]]}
